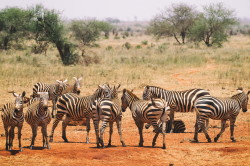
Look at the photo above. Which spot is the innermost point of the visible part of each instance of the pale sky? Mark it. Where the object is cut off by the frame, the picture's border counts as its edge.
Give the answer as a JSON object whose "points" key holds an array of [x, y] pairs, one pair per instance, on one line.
{"points": [[122, 9]]}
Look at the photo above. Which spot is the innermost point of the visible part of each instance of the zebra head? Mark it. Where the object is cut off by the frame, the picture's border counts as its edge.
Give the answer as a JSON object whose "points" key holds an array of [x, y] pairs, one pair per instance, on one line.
{"points": [[124, 99], [242, 98], [19, 100], [77, 85], [146, 93], [43, 99], [61, 86], [107, 90], [114, 91]]}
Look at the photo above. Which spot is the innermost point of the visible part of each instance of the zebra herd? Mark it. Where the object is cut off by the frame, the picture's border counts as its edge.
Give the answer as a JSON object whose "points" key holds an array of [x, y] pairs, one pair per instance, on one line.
{"points": [[157, 108]]}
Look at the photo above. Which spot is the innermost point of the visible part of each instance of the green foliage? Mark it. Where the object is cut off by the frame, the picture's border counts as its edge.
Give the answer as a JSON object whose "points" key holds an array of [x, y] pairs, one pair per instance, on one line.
{"points": [[144, 42], [127, 45], [14, 23], [46, 27], [211, 26], [175, 21]]}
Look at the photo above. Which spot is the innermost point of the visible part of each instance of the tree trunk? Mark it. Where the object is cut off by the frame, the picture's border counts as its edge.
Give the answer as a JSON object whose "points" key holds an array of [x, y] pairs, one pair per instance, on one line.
{"points": [[183, 36], [177, 39], [5, 43]]}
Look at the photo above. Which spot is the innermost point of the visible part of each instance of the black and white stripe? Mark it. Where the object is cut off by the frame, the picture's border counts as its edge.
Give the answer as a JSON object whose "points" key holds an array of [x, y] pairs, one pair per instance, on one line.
{"points": [[12, 116], [220, 109], [39, 115], [179, 101], [147, 111], [75, 108], [179, 126], [54, 90], [107, 110]]}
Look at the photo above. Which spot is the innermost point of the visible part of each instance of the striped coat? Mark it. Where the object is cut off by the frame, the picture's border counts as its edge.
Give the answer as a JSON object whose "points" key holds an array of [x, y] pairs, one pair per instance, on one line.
{"points": [[12, 116], [220, 109], [75, 108], [38, 115], [147, 111], [179, 101], [107, 110]]}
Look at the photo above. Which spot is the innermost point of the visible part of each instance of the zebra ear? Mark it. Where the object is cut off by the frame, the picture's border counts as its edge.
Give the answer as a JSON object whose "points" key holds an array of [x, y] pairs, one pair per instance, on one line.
{"points": [[75, 78], [59, 81], [15, 94], [119, 85], [124, 91], [65, 81], [248, 92], [79, 79], [240, 91], [23, 94]]}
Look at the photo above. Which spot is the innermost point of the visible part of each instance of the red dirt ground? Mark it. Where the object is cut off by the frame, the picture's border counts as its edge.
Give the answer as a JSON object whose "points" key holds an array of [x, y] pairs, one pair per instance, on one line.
{"points": [[179, 150]]}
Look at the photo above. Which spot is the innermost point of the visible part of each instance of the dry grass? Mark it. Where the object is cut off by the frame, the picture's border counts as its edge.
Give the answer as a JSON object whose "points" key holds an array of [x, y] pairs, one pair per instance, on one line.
{"points": [[161, 63]]}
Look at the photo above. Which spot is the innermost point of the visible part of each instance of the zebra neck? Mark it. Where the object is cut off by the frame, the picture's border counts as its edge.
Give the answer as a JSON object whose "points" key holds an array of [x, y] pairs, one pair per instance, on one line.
{"points": [[238, 99], [131, 100]]}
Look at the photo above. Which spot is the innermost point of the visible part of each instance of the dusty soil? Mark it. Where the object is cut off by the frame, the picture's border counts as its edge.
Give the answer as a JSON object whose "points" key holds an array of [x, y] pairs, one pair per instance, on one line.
{"points": [[179, 150]]}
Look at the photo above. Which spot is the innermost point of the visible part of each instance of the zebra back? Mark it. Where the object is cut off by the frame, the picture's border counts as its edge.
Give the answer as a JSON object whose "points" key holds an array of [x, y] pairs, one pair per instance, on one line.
{"points": [[54, 90], [180, 101]]}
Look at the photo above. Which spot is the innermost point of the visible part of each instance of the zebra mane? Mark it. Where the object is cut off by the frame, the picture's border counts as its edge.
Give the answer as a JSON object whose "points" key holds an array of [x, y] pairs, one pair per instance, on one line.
{"points": [[131, 93]]}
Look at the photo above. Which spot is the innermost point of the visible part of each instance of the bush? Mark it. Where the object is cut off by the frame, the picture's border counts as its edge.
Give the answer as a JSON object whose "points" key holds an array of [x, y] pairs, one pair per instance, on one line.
{"points": [[127, 45]]}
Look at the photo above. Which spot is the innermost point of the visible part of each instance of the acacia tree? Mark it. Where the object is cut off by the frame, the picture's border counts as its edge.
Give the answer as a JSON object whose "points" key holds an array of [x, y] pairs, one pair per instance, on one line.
{"points": [[47, 27], [14, 24], [88, 31], [213, 24], [175, 21]]}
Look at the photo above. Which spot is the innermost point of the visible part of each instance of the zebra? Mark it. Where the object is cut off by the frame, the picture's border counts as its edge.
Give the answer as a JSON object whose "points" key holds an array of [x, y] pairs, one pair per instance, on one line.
{"points": [[12, 116], [54, 90], [107, 110], [146, 111], [38, 115], [179, 101], [75, 108], [75, 88], [179, 126], [220, 109]]}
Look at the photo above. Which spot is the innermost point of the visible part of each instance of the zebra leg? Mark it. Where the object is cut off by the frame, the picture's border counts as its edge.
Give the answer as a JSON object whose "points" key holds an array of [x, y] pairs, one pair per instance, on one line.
{"points": [[11, 138], [119, 124], [19, 138], [96, 125], [7, 138], [197, 128], [223, 126], [55, 123], [157, 131], [64, 126], [110, 133], [232, 122], [171, 121], [163, 134], [45, 137], [53, 108], [34, 134], [140, 128], [88, 129], [205, 132], [104, 125]]}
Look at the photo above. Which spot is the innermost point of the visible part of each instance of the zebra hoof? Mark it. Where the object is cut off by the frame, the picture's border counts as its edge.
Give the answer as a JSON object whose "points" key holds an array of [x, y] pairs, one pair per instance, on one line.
{"points": [[31, 147], [209, 140], [194, 141], [233, 140], [124, 145], [164, 147], [153, 144], [109, 145], [21, 149], [215, 139]]}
